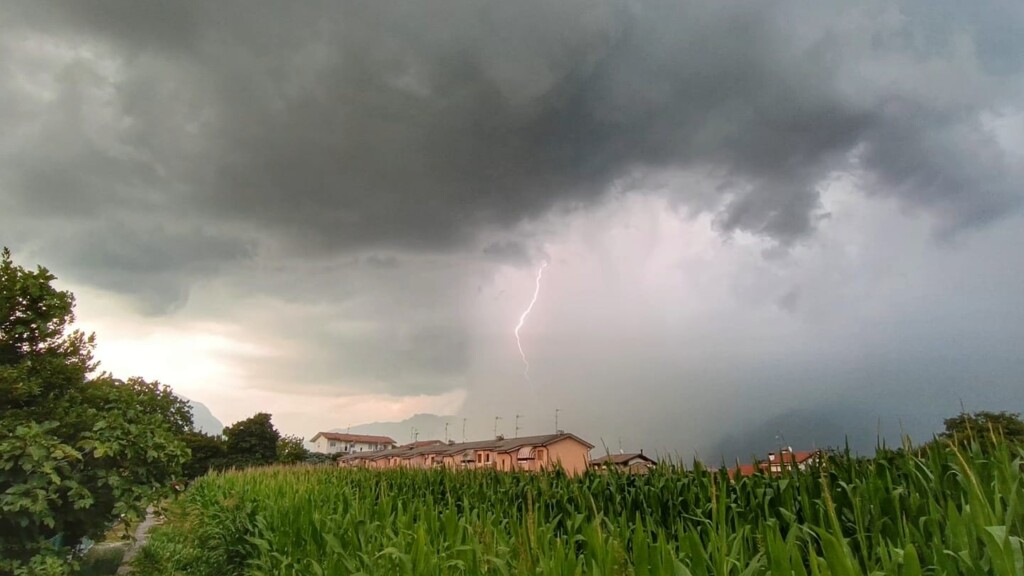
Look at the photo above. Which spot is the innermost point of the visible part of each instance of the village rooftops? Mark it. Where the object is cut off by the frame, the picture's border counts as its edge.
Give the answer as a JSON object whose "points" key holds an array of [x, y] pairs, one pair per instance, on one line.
{"points": [[777, 462], [498, 445]]}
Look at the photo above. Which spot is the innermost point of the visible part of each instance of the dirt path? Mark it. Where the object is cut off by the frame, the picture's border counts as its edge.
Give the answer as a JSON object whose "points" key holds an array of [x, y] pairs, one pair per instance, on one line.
{"points": [[141, 537]]}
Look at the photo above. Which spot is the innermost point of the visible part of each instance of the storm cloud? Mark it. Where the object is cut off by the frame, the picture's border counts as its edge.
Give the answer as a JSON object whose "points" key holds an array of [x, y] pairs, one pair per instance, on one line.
{"points": [[368, 168]]}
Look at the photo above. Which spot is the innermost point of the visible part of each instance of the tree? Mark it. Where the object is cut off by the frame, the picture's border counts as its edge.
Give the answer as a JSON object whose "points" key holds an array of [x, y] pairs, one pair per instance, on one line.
{"points": [[77, 452], [291, 450], [208, 453], [984, 427], [252, 442]]}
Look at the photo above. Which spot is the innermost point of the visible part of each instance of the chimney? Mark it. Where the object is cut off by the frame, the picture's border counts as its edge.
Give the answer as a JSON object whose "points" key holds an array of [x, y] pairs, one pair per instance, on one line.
{"points": [[559, 431], [500, 437]]}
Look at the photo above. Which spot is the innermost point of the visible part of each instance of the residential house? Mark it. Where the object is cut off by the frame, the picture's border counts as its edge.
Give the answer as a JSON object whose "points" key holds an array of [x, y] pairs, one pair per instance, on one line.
{"points": [[634, 463], [337, 443], [778, 462], [787, 459]]}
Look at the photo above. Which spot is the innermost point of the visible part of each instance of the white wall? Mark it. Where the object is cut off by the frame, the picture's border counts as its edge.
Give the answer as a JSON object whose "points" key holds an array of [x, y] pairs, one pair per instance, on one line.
{"points": [[323, 445]]}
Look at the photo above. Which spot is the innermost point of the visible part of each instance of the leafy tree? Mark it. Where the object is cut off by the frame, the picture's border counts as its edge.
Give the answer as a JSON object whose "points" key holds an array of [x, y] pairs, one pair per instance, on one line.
{"points": [[252, 442], [291, 449], [76, 452], [984, 427], [208, 453]]}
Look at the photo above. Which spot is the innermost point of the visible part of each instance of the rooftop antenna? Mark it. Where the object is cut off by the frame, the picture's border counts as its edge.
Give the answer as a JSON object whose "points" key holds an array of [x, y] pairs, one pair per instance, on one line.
{"points": [[620, 445], [414, 434], [446, 432], [496, 418], [557, 410], [463, 429], [518, 416]]}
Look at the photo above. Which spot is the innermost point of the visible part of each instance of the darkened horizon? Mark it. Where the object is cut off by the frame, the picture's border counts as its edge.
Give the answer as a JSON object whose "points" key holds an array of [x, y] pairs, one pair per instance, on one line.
{"points": [[798, 219]]}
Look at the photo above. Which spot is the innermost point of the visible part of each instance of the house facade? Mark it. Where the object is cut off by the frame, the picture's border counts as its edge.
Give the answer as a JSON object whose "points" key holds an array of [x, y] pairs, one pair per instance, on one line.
{"points": [[337, 443], [528, 453]]}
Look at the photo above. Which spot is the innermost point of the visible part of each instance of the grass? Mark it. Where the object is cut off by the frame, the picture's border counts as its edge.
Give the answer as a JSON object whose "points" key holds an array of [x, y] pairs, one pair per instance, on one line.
{"points": [[102, 559], [942, 511]]}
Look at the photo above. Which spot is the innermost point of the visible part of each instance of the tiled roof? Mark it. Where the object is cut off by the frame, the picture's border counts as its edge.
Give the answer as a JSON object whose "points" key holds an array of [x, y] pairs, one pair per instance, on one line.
{"points": [[453, 448], [787, 459], [619, 459], [360, 438], [421, 444]]}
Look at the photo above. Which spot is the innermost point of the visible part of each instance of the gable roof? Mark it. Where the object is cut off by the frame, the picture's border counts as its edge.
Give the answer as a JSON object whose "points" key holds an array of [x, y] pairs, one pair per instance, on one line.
{"points": [[360, 438], [421, 444], [454, 448], [510, 444], [621, 459]]}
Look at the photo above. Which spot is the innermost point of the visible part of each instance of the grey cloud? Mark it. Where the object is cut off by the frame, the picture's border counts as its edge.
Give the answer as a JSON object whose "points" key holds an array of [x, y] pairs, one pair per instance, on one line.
{"points": [[953, 168], [405, 126], [381, 261], [508, 252], [342, 176], [349, 324], [789, 301], [158, 263]]}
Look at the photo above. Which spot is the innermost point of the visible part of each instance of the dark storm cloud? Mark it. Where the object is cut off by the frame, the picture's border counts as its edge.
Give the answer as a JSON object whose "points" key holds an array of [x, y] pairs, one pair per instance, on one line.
{"points": [[509, 252], [412, 126]]}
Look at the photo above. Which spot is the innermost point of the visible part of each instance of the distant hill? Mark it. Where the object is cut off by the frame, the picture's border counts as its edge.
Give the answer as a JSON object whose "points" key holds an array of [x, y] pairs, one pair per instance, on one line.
{"points": [[428, 426], [204, 420]]}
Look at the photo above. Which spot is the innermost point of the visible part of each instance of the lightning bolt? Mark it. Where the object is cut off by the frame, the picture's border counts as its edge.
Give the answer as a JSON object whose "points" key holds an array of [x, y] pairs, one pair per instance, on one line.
{"points": [[522, 320]]}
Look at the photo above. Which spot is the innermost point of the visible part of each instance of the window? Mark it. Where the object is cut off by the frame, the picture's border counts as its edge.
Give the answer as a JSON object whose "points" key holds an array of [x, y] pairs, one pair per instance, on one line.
{"points": [[333, 443]]}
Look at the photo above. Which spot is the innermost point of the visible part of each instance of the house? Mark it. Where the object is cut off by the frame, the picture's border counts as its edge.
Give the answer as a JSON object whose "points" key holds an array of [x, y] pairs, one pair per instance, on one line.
{"points": [[786, 459], [336, 443], [779, 462], [635, 463], [530, 453]]}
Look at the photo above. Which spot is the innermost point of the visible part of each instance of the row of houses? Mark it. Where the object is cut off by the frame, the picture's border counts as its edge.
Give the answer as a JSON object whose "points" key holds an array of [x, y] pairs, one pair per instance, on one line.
{"points": [[530, 453]]}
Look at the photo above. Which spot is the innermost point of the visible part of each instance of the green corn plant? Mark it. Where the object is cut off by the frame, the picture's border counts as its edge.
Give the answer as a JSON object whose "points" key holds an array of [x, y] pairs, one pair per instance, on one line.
{"points": [[947, 509]]}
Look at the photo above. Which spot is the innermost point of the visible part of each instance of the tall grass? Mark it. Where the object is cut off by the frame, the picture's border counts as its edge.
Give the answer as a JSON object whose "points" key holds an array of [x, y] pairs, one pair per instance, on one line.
{"points": [[945, 511]]}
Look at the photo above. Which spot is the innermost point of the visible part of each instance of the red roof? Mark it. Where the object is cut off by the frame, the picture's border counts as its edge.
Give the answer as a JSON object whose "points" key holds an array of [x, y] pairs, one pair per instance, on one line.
{"points": [[360, 438], [788, 459]]}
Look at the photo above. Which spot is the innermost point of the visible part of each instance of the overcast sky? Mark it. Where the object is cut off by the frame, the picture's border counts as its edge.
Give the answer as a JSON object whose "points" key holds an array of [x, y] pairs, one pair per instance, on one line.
{"points": [[757, 217]]}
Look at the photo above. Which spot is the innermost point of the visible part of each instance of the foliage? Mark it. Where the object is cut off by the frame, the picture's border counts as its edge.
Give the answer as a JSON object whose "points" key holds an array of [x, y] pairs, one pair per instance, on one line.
{"points": [[320, 458], [984, 427], [207, 453], [252, 442], [949, 511], [291, 450], [77, 452]]}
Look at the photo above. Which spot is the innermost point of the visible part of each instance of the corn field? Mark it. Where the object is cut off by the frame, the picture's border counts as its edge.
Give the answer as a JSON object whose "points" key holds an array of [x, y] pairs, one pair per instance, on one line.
{"points": [[941, 511]]}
